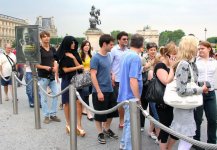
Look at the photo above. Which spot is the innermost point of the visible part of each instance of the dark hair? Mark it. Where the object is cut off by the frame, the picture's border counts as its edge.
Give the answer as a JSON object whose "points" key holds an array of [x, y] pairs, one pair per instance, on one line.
{"points": [[137, 41], [43, 33], [120, 34], [151, 45], [208, 45], [82, 50], [105, 38]]}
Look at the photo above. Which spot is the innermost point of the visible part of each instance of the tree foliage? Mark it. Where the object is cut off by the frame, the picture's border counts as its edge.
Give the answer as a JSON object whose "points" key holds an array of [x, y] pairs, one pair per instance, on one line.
{"points": [[58, 40], [168, 36], [212, 40]]}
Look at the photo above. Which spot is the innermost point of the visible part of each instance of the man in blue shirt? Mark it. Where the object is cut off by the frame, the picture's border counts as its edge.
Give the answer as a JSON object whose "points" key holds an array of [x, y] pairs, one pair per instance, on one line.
{"points": [[102, 95], [130, 84], [116, 55]]}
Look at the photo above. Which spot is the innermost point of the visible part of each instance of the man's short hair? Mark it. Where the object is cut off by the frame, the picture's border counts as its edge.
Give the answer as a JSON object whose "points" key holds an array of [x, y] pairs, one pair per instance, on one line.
{"points": [[43, 33], [105, 38], [137, 41], [120, 34]]}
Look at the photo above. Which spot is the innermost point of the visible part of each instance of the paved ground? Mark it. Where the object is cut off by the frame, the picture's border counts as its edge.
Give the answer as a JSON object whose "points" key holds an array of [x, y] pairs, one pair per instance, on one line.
{"points": [[17, 132]]}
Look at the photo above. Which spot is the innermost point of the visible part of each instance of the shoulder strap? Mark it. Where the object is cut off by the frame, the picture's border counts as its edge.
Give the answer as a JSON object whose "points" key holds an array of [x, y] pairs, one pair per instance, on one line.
{"points": [[9, 59]]}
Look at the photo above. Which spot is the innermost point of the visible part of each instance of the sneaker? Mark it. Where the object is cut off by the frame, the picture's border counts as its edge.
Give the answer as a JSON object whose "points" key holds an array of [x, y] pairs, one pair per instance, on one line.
{"points": [[142, 129], [101, 138], [121, 147], [31, 105], [55, 118], [110, 134], [156, 141], [152, 135], [46, 120]]}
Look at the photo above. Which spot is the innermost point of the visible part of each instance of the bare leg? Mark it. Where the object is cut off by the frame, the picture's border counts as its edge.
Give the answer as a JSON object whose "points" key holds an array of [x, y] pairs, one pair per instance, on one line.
{"points": [[6, 90], [98, 126], [170, 142], [163, 146], [67, 113], [121, 115], [108, 123], [79, 114]]}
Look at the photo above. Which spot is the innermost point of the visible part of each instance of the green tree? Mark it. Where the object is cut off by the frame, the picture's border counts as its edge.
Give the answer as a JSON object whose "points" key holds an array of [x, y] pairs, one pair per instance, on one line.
{"points": [[114, 34], [168, 36], [212, 40]]}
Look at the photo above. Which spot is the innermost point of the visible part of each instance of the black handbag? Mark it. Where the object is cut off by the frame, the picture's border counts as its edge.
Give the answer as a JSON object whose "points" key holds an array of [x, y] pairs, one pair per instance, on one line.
{"points": [[145, 78], [155, 91]]}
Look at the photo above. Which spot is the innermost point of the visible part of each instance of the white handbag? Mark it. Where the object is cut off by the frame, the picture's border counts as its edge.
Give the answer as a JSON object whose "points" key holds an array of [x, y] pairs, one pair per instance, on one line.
{"points": [[172, 98]]}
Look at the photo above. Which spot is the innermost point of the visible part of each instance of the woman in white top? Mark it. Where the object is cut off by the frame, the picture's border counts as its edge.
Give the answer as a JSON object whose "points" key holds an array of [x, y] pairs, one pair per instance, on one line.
{"points": [[207, 67]]}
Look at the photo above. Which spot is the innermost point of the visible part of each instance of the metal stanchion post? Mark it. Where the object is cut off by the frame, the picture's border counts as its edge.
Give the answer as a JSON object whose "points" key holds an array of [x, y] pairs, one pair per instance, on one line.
{"points": [[135, 126], [14, 93], [36, 99], [0, 91], [73, 117]]}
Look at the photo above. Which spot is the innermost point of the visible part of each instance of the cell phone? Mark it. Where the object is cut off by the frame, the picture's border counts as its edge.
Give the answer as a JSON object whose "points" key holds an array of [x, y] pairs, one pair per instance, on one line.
{"points": [[208, 85]]}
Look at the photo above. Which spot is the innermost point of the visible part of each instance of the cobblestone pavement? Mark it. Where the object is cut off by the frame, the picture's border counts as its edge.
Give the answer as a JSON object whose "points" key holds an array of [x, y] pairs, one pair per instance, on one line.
{"points": [[17, 132]]}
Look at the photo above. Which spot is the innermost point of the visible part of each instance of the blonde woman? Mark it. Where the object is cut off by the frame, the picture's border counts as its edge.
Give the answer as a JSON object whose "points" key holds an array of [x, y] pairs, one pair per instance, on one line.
{"points": [[183, 119]]}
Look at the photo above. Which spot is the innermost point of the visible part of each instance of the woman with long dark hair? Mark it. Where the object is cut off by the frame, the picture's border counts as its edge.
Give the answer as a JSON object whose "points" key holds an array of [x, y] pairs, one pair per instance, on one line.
{"points": [[69, 63], [86, 57]]}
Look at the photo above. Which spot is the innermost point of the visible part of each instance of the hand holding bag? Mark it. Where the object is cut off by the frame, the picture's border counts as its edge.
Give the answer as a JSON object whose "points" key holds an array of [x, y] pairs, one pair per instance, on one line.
{"points": [[81, 80], [172, 98]]}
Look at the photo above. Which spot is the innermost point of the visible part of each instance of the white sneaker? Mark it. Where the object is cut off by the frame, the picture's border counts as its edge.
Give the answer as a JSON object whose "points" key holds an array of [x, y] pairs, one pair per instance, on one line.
{"points": [[142, 129], [152, 135], [156, 141]]}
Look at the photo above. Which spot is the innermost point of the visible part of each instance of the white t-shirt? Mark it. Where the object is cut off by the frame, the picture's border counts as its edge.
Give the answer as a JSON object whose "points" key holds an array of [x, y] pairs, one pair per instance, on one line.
{"points": [[5, 64]]}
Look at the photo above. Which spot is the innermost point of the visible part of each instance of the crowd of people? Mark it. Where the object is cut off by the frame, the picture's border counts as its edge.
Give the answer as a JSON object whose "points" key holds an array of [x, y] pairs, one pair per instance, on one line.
{"points": [[122, 73]]}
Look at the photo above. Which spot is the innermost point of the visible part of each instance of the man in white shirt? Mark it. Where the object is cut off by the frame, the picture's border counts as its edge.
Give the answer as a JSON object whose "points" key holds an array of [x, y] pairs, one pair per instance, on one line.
{"points": [[7, 60]]}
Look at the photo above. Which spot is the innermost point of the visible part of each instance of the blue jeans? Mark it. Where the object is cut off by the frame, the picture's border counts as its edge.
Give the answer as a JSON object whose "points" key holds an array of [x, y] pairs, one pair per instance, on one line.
{"points": [[29, 87], [126, 135], [44, 83], [154, 110], [209, 106]]}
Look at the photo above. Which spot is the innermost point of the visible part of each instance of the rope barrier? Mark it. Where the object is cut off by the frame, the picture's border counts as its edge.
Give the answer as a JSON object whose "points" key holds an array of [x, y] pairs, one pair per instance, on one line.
{"points": [[100, 112], [178, 135], [52, 96], [22, 82], [4, 78]]}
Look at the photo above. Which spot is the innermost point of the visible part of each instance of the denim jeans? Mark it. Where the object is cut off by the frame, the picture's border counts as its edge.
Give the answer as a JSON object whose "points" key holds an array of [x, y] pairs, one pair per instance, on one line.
{"points": [[209, 106], [154, 110], [125, 143], [29, 87], [44, 83]]}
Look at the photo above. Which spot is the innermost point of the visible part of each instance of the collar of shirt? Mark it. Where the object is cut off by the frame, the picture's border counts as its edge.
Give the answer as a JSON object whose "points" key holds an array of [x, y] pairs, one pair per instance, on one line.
{"points": [[121, 49]]}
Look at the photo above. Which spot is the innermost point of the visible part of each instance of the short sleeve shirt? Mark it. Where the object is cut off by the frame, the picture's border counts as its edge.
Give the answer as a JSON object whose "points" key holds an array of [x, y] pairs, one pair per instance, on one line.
{"points": [[102, 64], [6, 66], [131, 67]]}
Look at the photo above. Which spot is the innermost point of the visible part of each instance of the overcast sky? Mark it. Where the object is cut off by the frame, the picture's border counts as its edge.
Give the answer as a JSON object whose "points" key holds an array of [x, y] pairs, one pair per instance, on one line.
{"points": [[72, 17]]}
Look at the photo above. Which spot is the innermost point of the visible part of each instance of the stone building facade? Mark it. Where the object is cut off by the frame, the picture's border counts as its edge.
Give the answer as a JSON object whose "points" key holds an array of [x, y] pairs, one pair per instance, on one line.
{"points": [[149, 34], [7, 28], [47, 24]]}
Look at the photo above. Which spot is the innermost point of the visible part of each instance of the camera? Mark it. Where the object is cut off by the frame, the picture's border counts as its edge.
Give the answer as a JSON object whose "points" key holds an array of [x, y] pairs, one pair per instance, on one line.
{"points": [[51, 76], [208, 85]]}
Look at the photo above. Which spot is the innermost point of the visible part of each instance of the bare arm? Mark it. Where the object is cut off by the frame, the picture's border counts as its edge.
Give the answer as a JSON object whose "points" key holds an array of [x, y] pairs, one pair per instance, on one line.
{"points": [[43, 67], [164, 77], [100, 95], [135, 87], [71, 69]]}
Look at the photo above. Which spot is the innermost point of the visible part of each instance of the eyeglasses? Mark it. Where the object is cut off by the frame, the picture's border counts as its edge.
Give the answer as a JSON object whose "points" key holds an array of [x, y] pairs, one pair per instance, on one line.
{"points": [[125, 39]]}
